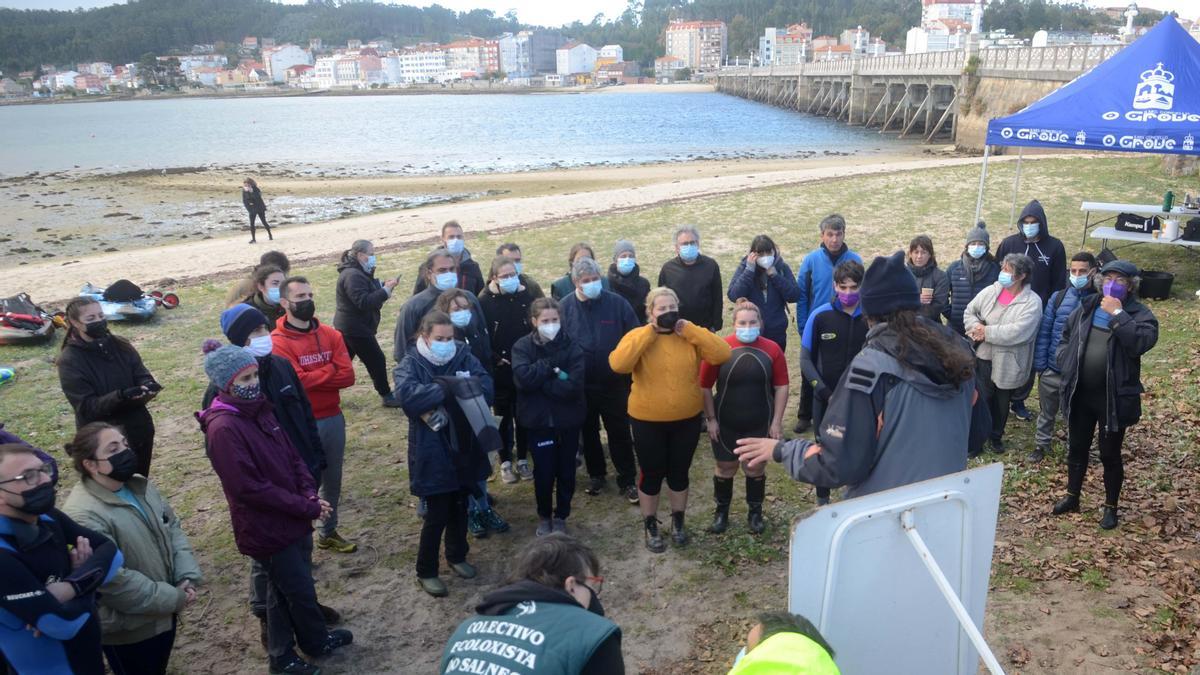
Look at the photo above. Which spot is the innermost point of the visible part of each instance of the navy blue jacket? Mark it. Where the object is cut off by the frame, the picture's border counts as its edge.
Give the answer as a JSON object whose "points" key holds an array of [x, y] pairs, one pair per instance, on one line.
{"points": [[1048, 255], [597, 326], [832, 338], [32, 556], [437, 463], [964, 287], [1053, 321], [771, 293], [544, 399]]}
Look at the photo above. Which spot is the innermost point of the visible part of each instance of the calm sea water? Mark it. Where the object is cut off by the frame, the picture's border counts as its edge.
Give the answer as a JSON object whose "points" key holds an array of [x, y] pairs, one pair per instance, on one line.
{"points": [[411, 134]]}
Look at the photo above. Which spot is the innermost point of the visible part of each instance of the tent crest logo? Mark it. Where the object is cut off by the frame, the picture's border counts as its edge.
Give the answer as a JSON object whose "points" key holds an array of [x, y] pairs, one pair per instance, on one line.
{"points": [[1156, 91]]}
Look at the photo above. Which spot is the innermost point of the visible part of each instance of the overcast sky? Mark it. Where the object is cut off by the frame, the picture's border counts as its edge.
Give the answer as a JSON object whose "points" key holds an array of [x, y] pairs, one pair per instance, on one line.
{"points": [[558, 12]]}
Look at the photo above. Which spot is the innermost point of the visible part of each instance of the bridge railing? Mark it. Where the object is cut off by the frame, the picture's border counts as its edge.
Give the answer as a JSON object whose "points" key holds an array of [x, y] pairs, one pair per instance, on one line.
{"points": [[927, 63], [1071, 58]]}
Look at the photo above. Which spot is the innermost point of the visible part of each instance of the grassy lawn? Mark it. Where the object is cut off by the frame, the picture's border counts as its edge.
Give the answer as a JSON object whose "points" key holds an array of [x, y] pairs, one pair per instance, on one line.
{"points": [[1124, 600]]}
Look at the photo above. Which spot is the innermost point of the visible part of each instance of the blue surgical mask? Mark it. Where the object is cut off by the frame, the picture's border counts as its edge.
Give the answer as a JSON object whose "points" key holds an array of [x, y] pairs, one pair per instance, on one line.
{"points": [[1080, 282], [509, 284], [591, 290], [689, 252], [626, 265], [746, 334], [461, 318], [272, 296], [455, 246], [446, 280], [443, 350], [1005, 279], [370, 264], [976, 251], [1031, 230], [520, 268]]}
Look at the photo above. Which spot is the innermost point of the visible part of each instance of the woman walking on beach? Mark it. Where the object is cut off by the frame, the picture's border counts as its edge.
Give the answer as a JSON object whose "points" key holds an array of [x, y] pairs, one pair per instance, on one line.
{"points": [[253, 201], [360, 296], [104, 379]]}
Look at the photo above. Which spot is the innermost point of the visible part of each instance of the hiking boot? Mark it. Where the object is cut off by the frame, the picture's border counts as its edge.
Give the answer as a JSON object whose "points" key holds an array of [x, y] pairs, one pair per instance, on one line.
{"points": [[336, 639], [332, 616], [720, 521], [1020, 411], [544, 527], [802, 425], [390, 401], [492, 521], [434, 586], [1037, 455], [292, 665], [524, 470], [464, 569], [476, 526], [630, 493], [754, 520], [654, 540], [1109, 520], [559, 525], [334, 542], [678, 534], [507, 475], [595, 485], [1068, 504]]}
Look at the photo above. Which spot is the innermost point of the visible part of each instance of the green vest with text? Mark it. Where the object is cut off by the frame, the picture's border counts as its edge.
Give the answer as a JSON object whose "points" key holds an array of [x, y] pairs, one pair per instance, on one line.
{"points": [[531, 637]]}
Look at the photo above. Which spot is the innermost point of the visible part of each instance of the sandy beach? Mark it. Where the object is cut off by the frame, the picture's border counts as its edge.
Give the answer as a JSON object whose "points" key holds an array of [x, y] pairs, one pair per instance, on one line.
{"points": [[518, 201]]}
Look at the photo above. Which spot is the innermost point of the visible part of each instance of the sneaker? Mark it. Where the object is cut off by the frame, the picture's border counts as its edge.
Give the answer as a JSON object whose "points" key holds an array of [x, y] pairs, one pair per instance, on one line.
{"points": [[293, 665], [492, 521], [559, 525], [1021, 412], [331, 615], [390, 401], [802, 425], [654, 540], [334, 542], [507, 475], [524, 470], [1036, 455], [544, 527], [630, 492], [337, 638], [476, 526], [433, 586], [595, 485], [464, 569]]}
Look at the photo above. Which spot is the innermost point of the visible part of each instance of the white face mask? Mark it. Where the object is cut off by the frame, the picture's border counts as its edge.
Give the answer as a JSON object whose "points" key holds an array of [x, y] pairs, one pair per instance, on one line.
{"points": [[766, 261], [259, 346], [549, 331]]}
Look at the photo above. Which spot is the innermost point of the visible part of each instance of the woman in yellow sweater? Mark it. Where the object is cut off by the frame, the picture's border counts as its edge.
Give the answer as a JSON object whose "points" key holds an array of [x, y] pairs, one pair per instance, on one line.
{"points": [[664, 357]]}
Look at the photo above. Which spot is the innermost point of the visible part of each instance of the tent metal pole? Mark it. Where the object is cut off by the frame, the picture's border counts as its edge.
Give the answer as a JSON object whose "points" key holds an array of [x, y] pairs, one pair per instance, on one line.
{"points": [[987, 151], [1012, 212]]}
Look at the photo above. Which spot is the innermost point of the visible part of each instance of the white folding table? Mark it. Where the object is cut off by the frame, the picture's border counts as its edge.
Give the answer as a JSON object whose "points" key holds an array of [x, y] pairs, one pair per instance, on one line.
{"points": [[1105, 234]]}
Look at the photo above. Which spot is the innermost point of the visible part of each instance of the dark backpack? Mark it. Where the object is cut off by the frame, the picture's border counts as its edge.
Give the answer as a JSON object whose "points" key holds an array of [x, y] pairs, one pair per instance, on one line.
{"points": [[123, 290]]}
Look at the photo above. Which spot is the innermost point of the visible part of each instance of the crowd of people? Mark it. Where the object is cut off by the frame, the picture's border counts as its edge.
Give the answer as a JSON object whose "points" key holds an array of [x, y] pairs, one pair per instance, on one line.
{"points": [[488, 365]]}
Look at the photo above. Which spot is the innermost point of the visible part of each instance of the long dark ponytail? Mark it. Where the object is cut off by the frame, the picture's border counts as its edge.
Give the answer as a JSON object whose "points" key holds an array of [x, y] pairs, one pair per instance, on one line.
{"points": [[916, 334]]}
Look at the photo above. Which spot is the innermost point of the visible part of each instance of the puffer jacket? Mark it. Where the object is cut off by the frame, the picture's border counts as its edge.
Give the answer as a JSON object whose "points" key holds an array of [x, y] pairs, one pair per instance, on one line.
{"points": [[1134, 332], [507, 319], [139, 602], [965, 285], [1054, 318], [634, 288], [1010, 333], [546, 399], [93, 375], [771, 293]]}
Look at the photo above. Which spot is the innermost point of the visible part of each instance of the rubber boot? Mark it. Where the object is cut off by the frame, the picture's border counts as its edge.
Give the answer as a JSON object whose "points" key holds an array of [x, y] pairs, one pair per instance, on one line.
{"points": [[723, 495], [1109, 520], [756, 491]]}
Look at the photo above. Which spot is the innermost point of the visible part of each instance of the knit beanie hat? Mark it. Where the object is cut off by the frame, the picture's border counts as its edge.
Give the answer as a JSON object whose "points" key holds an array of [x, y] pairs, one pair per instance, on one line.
{"points": [[224, 363], [623, 246], [979, 233], [888, 286], [239, 321]]}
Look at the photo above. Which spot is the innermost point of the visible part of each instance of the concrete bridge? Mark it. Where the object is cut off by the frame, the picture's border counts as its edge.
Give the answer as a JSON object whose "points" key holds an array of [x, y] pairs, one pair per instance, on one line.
{"points": [[943, 96]]}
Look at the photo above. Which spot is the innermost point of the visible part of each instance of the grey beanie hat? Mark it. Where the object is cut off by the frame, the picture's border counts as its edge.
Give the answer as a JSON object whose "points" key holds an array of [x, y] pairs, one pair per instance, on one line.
{"points": [[979, 233], [623, 245], [225, 363]]}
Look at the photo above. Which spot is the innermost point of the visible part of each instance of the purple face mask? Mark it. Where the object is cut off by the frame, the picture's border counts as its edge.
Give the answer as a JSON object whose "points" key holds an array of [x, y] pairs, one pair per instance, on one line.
{"points": [[848, 299], [1115, 289]]}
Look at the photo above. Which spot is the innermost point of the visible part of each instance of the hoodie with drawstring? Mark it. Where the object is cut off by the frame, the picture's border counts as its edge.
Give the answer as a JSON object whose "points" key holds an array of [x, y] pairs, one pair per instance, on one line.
{"points": [[1047, 253]]}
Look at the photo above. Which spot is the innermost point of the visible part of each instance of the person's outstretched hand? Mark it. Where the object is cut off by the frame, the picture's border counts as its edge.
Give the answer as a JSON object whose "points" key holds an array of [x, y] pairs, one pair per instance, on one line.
{"points": [[755, 451]]}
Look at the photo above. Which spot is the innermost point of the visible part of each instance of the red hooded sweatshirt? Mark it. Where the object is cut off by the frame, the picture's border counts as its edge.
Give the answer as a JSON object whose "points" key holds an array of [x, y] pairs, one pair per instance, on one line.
{"points": [[321, 361]]}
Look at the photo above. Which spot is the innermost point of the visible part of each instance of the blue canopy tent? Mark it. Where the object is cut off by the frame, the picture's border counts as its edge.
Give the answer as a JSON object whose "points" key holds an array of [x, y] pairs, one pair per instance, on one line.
{"points": [[1145, 98]]}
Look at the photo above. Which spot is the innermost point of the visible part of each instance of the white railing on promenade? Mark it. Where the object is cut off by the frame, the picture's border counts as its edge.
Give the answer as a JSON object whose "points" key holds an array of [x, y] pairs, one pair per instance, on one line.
{"points": [[1070, 58]]}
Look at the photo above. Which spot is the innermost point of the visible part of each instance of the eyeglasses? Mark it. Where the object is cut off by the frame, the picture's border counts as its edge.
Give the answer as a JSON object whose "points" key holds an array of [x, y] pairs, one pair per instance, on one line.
{"points": [[31, 477], [595, 584]]}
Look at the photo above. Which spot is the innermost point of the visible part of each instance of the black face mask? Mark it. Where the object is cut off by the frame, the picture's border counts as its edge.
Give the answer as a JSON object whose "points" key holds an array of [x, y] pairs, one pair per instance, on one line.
{"points": [[38, 500], [594, 605], [667, 320], [124, 465], [304, 310], [96, 329]]}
